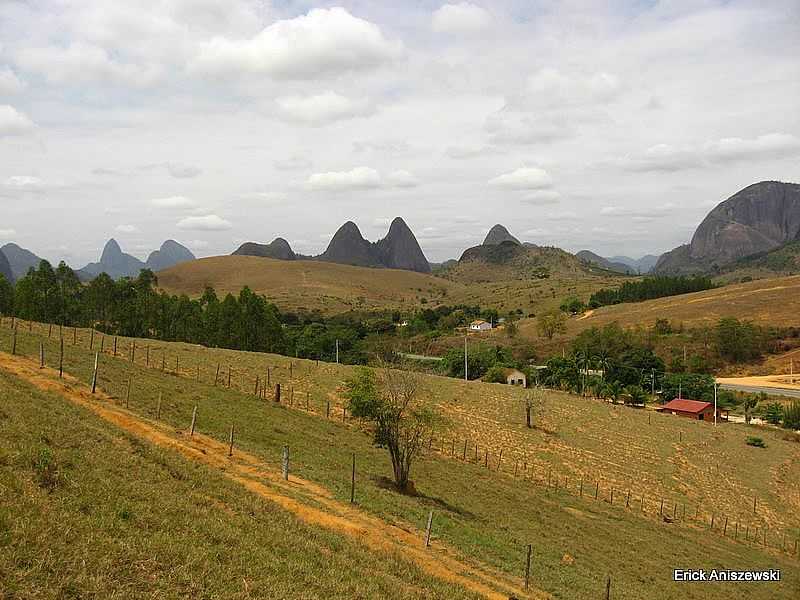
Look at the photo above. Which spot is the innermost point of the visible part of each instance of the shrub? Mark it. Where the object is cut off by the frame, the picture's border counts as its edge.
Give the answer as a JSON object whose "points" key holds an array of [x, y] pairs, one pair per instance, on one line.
{"points": [[791, 415], [755, 441]]}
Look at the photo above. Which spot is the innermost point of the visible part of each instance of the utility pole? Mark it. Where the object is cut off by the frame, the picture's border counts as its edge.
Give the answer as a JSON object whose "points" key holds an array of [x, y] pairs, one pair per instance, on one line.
{"points": [[680, 385], [337, 352], [653, 382], [715, 404], [466, 368]]}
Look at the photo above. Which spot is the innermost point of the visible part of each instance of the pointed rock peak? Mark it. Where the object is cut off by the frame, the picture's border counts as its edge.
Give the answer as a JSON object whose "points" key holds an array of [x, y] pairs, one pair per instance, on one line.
{"points": [[399, 224], [111, 250], [349, 229], [497, 235]]}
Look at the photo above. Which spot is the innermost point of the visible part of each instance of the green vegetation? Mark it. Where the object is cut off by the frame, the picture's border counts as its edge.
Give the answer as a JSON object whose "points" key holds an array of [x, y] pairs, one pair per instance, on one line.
{"points": [[402, 422], [550, 323], [755, 441], [485, 515], [650, 288]]}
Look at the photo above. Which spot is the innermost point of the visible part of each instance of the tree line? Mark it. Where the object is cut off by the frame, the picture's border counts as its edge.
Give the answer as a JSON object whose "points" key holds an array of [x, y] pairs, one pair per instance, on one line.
{"points": [[650, 288]]}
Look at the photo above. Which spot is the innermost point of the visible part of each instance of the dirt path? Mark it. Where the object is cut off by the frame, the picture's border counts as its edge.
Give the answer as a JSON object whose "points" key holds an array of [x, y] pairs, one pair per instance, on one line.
{"points": [[250, 472]]}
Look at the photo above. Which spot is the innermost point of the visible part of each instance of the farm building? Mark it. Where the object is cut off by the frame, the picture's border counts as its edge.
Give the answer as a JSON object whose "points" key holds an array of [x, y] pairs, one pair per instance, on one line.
{"points": [[515, 377], [693, 409], [480, 325]]}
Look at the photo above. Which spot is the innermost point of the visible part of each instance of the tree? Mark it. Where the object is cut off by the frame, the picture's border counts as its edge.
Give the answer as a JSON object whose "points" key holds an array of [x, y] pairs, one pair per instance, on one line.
{"points": [[738, 341], [791, 415], [511, 328], [401, 421], [614, 391], [533, 406], [495, 374], [634, 394], [572, 305], [749, 405], [550, 323], [6, 296], [773, 413]]}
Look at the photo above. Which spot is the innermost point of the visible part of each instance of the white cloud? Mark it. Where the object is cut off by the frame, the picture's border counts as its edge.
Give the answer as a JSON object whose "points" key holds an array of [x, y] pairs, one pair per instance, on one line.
{"points": [[126, 228], [638, 214], [292, 163], [469, 151], [402, 179], [265, 197], [322, 42], [6, 234], [197, 244], [13, 122], [9, 82], [24, 182], [524, 178], [205, 223], [460, 18], [173, 202], [669, 158], [771, 145], [542, 197], [360, 178], [183, 171], [81, 63], [509, 126], [323, 108]]}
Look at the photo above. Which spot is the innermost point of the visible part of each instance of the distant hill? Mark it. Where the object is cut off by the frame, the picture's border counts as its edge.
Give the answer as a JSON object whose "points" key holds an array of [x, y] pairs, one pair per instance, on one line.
{"points": [[641, 265], [20, 259], [510, 261], [784, 260], [170, 254], [590, 257], [5, 268], [278, 248], [117, 264], [757, 219], [398, 250], [309, 284], [497, 235]]}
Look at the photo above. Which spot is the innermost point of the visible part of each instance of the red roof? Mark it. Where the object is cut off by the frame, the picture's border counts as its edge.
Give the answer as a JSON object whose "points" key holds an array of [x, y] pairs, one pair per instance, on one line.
{"points": [[683, 405]]}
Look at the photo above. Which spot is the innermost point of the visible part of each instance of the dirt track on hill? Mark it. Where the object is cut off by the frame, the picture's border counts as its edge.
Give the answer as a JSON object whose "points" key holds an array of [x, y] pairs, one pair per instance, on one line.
{"points": [[250, 472]]}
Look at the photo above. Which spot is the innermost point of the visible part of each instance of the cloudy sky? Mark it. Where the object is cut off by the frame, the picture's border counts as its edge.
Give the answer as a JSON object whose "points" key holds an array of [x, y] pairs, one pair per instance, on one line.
{"points": [[613, 126]]}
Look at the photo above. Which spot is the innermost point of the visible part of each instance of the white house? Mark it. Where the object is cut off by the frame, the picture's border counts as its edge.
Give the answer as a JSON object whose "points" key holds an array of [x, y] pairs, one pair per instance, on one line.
{"points": [[515, 377], [480, 325]]}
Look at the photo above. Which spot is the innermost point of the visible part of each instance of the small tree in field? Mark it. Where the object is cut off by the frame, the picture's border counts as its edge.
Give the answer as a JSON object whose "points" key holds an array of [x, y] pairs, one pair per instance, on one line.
{"points": [[533, 406], [401, 422], [550, 323]]}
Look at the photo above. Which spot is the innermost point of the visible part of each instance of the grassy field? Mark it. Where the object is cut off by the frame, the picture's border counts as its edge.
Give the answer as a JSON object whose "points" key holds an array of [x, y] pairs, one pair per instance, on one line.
{"points": [[333, 288], [90, 511], [307, 285], [486, 516]]}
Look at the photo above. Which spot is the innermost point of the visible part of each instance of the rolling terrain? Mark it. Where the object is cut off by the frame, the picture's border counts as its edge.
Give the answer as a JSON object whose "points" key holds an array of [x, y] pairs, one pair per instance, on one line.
{"points": [[519, 486], [766, 302], [308, 285]]}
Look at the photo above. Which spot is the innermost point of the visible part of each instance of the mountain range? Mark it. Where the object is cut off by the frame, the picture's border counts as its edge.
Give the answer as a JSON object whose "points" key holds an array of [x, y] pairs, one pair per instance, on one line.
{"points": [[5, 268], [116, 263], [398, 250]]}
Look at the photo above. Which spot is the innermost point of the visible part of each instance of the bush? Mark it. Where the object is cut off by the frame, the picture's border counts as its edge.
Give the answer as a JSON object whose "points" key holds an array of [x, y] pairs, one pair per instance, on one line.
{"points": [[773, 413], [791, 415], [755, 441], [495, 375]]}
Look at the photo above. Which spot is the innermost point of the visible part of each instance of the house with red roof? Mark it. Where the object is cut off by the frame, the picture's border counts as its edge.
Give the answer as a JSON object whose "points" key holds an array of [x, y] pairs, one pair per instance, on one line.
{"points": [[693, 409]]}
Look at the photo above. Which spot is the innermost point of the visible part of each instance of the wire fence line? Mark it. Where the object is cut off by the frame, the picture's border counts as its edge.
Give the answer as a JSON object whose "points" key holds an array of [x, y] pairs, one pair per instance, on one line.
{"points": [[281, 384]]}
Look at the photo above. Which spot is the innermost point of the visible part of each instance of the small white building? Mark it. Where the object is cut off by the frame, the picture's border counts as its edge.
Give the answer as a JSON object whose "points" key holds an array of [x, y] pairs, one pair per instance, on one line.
{"points": [[480, 325], [515, 377]]}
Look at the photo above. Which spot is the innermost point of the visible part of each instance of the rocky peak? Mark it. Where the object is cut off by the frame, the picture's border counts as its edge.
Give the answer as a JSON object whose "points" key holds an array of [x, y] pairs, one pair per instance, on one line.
{"points": [[170, 254], [497, 235], [349, 247], [400, 249]]}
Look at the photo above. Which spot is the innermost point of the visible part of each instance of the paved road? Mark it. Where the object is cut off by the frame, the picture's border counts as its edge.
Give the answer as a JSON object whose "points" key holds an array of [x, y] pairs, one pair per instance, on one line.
{"points": [[419, 356], [755, 389]]}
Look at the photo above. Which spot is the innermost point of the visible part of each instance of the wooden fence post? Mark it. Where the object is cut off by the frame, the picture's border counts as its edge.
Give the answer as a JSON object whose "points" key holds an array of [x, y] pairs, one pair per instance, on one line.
{"points": [[353, 482], [285, 462], [230, 448], [628, 500], [229, 376], [133, 351], [147, 357], [61, 359], [115, 346], [216, 376], [14, 342], [725, 527], [308, 401], [596, 490], [580, 490], [528, 568], [499, 459], [41, 355], [278, 393], [102, 341], [428, 530], [194, 420], [464, 458], [128, 394], [94, 374], [608, 588], [158, 406], [91, 340], [328, 410]]}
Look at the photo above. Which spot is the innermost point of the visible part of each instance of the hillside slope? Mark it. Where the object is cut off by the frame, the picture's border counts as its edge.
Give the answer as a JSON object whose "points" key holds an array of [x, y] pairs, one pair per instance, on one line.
{"points": [[306, 284]]}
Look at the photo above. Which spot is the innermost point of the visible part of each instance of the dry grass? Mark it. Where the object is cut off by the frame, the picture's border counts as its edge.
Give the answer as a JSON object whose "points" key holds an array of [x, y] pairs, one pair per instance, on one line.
{"points": [[488, 515], [293, 285], [766, 302]]}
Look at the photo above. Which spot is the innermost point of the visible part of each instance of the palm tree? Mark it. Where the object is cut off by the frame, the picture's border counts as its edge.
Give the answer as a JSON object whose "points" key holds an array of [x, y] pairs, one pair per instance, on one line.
{"points": [[582, 361], [635, 394], [614, 390], [602, 361]]}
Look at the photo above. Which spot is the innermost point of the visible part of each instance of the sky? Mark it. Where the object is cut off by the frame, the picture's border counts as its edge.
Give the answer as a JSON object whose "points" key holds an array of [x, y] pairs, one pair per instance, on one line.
{"points": [[613, 126]]}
